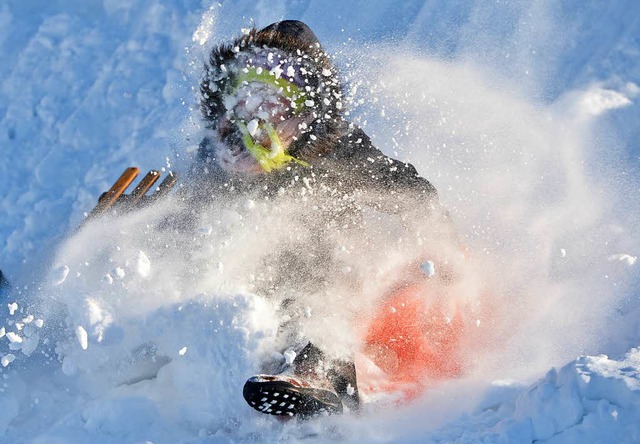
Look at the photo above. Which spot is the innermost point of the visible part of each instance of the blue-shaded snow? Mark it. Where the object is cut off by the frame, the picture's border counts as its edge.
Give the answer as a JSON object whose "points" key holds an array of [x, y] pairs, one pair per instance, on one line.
{"points": [[89, 88]]}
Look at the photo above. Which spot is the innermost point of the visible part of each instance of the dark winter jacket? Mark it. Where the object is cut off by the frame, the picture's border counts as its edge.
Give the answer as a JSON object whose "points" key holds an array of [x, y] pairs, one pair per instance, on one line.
{"points": [[342, 166], [340, 154], [354, 165]]}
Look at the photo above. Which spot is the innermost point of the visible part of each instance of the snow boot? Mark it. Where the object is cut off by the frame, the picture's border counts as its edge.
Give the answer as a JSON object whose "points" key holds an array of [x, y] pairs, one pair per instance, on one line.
{"points": [[290, 396], [304, 389]]}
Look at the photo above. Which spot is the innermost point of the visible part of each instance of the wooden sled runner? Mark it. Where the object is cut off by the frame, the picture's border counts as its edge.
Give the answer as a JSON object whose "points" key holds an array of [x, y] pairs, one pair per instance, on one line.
{"points": [[115, 199]]}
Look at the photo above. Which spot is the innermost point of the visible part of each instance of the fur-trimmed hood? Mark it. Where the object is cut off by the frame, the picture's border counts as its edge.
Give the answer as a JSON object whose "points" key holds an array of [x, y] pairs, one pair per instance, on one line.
{"points": [[290, 50], [341, 158]]}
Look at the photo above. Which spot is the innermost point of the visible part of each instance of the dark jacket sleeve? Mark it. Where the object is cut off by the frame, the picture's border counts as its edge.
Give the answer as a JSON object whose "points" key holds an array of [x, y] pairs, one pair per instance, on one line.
{"points": [[372, 170], [395, 187]]}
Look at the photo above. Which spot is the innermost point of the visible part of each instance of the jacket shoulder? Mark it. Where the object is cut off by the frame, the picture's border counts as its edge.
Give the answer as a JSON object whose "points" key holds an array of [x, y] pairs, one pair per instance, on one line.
{"points": [[374, 169]]}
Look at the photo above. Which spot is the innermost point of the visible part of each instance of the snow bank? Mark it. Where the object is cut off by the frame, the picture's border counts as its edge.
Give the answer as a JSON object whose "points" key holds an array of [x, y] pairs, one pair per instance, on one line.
{"points": [[133, 331], [144, 356], [592, 399]]}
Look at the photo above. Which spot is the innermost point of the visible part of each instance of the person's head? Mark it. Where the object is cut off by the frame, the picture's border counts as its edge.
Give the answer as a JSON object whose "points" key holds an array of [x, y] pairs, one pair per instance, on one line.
{"points": [[272, 98]]}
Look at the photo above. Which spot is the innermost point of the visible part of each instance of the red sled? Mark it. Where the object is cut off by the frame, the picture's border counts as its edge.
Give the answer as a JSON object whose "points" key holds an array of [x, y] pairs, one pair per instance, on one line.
{"points": [[421, 334]]}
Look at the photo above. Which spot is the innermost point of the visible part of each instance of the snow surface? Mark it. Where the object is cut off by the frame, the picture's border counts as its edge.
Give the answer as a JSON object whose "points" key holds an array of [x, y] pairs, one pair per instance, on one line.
{"points": [[524, 116]]}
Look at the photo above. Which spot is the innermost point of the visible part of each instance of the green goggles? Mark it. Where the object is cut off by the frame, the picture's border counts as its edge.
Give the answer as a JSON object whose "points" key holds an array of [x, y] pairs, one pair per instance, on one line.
{"points": [[275, 157], [284, 87], [269, 159]]}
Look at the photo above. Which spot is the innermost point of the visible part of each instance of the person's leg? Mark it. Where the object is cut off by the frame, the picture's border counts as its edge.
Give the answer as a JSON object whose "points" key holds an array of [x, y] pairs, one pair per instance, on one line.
{"points": [[308, 387]]}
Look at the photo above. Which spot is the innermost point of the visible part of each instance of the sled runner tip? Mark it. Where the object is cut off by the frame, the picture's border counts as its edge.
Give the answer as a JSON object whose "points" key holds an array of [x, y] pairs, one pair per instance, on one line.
{"points": [[115, 197]]}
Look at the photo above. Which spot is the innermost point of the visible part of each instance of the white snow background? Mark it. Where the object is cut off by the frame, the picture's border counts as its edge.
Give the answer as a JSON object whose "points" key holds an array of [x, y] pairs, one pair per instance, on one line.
{"points": [[523, 115]]}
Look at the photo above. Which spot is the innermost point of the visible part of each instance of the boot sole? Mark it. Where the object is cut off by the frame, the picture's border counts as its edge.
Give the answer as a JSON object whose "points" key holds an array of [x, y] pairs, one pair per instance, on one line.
{"points": [[285, 399]]}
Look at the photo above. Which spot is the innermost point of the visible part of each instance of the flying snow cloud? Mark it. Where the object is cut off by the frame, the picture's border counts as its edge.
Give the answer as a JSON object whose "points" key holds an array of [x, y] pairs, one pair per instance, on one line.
{"points": [[530, 187], [545, 210]]}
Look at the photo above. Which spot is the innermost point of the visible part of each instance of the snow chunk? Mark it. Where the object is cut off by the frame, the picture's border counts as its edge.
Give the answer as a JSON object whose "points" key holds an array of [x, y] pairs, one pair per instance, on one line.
{"points": [[190, 149], [107, 279], [326, 72], [83, 338], [7, 359], [230, 102], [252, 104], [632, 89], [597, 101], [2, 332], [205, 230], [118, 272], [203, 32], [39, 323], [13, 307], [69, 367], [14, 338], [182, 351], [428, 268], [289, 356], [95, 312], [277, 71], [625, 258], [30, 344], [230, 217], [59, 275], [252, 127], [142, 264]]}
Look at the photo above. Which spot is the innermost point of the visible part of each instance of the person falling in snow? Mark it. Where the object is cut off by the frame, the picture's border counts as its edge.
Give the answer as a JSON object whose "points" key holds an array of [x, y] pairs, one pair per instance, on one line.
{"points": [[275, 108]]}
